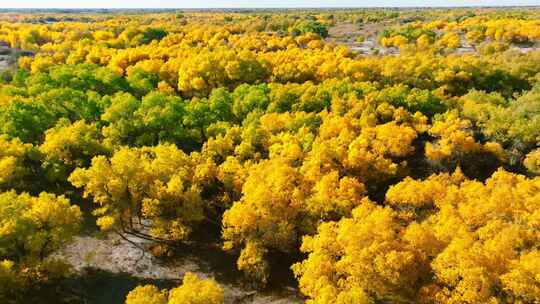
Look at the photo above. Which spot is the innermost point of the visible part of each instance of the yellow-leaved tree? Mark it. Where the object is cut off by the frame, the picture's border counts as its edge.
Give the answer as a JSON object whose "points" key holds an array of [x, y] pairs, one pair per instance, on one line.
{"points": [[446, 239], [457, 146], [267, 216], [192, 291], [360, 260], [31, 228], [67, 146], [157, 184], [287, 196], [146, 294], [13, 156], [196, 291]]}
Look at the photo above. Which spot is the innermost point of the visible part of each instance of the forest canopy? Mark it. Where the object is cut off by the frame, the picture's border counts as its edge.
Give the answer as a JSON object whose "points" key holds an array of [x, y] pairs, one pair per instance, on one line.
{"points": [[376, 156]]}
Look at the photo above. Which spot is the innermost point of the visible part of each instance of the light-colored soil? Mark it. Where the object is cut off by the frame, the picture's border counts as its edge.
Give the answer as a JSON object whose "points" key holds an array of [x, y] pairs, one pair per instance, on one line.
{"points": [[346, 33], [4, 65], [8, 56], [6, 59], [113, 254]]}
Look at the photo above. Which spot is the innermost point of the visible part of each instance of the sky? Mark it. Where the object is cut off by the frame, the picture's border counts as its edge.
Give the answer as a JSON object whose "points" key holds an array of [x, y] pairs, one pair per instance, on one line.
{"points": [[250, 3]]}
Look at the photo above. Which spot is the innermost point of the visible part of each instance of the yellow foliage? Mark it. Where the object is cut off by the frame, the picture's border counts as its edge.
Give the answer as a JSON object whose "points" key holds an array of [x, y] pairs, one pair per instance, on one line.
{"points": [[147, 294], [12, 156], [263, 127], [532, 161], [475, 244], [456, 143], [72, 144], [192, 291], [152, 183], [349, 257], [196, 291], [38, 225], [450, 40]]}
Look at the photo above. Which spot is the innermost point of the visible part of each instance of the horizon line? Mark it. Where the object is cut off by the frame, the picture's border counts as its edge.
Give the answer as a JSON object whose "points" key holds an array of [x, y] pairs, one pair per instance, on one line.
{"points": [[270, 7]]}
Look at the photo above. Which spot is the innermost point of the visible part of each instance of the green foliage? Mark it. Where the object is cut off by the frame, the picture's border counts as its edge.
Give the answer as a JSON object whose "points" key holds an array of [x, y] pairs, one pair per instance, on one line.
{"points": [[151, 34], [154, 119], [506, 120], [312, 27], [259, 131], [410, 32], [26, 121], [141, 81], [414, 100]]}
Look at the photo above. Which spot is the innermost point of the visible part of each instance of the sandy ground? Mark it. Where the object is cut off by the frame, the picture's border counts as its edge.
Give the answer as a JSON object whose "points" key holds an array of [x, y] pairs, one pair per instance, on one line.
{"points": [[346, 33], [4, 63], [112, 254]]}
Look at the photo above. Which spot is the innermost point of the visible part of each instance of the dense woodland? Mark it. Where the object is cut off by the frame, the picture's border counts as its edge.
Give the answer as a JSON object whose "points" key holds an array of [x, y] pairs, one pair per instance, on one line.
{"points": [[379, 178]]}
